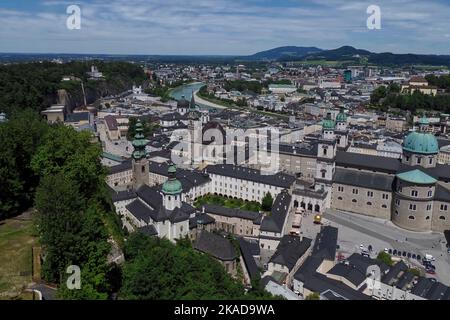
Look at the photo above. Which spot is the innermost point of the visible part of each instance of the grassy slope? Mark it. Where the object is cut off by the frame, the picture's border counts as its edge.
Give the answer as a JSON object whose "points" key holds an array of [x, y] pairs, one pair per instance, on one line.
{"points": [[16, 241]]}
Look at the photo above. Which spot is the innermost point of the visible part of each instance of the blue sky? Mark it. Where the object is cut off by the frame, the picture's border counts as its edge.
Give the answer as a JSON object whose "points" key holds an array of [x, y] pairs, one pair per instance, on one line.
{"points": [[222, 26]]}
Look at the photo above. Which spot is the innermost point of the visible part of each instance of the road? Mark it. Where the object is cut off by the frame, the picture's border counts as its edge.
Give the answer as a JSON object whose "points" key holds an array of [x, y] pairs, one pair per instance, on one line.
{"points": [[206, 103], [356, 229]]}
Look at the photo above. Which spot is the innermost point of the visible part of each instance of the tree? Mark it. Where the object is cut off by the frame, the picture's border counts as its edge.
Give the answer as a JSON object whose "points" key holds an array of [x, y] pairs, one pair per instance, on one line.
{"points": [[73, 154], [385, 258], [162, 270], [267, 202], [313, 296], [20, 137]]}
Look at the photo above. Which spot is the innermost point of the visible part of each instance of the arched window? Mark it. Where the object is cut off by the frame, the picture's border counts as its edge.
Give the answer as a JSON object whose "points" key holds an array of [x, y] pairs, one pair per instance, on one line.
{"points": [[354, 201], [427, 218], [369, 203], [339, 198], [442, 218], [384, 206], [411, 218]]}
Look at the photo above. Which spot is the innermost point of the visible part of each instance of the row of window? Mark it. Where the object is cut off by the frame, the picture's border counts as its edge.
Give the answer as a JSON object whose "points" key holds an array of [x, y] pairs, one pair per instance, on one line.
{"points": [[419, 160], [415, 193], [384, 206], [413, 207], [426, 218], [370, 194]]}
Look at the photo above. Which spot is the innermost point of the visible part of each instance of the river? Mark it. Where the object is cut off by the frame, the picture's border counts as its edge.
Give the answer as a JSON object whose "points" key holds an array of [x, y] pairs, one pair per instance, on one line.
{"points": [[186, 91]]}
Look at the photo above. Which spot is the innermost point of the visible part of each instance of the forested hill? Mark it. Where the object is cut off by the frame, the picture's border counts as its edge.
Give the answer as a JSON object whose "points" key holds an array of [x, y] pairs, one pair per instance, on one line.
{"points": [[35, 85]]}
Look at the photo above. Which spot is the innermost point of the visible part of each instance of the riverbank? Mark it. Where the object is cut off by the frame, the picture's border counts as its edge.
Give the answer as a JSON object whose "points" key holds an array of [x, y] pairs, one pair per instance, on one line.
{"points": [[207, 103]]}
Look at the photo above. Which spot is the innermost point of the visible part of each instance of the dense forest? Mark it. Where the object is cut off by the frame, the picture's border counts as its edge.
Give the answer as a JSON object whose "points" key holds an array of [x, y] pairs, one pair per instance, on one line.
{"points": [[35, 85]]}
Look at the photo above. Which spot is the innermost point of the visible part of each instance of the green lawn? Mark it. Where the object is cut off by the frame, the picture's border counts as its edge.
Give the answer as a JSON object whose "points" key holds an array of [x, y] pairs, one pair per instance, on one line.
{"points": [[16, 241], [228, 203]]}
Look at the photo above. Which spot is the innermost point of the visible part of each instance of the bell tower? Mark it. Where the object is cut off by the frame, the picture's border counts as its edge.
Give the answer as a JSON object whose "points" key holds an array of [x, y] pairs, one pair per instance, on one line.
{"points": [[140, 163]]}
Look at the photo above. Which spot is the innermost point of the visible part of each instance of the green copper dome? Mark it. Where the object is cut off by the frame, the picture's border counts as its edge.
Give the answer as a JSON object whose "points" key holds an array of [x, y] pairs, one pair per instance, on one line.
{"points": [[419, 142], [424, 121], [417, 177], [328, 124], [341, 117], [139, 142], [172, 186]]}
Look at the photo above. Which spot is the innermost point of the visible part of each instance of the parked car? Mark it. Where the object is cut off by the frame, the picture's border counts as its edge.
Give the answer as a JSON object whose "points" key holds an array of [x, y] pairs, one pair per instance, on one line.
{"points": [[430, 271]]}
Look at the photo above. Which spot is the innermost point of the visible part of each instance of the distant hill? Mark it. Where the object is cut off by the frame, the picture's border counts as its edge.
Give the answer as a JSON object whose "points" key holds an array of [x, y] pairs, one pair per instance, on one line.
{"points": [[282, 53], [348, 53]]}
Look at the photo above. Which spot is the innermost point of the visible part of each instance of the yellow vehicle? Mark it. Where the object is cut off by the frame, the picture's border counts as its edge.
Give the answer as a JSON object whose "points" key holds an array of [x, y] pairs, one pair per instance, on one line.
{"points": [[318, 219]]}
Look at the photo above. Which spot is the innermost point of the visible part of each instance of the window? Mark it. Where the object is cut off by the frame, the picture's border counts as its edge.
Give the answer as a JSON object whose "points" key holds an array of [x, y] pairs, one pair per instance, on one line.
{"points": [[400, 189], [430, 193], [407, 158], [370, 194], [385, 196], [384, 206], [430, 161], [324, 151], [428, 207], [419, 160], [355, 191], [143, 169], [354, 201], [442, 218], [411, 218], [414, 193], [443, 207], [339, 198], [396, 212], [427, 218], [369, 203], [323, 174], [397, 202], [341, 189], [412, 207]]}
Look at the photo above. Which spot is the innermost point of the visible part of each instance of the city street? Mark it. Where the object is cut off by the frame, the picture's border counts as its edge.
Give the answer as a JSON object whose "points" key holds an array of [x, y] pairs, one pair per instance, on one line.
{"points": [[355, 230]]}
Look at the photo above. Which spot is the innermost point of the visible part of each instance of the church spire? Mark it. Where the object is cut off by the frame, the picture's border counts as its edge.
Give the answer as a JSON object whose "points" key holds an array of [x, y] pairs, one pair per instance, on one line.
{"points": [[139, 142]]}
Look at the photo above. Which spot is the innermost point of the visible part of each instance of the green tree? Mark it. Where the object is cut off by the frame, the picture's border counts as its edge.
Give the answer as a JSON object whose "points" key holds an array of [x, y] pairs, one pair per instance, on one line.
{"points": [[20, 137], [313, 296], [73, 154], [162, 270], [385, 258], [267, 202]]}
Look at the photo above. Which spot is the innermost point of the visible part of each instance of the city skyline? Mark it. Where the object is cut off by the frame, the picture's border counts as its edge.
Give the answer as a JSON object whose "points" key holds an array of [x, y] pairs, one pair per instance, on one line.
{"points": [[222, 27]]}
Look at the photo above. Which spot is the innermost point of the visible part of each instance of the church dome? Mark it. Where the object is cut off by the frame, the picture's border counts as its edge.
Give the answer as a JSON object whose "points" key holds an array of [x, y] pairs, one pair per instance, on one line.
{"points": [[173, 185], [328, 124], [341, 117], [419, 142]]}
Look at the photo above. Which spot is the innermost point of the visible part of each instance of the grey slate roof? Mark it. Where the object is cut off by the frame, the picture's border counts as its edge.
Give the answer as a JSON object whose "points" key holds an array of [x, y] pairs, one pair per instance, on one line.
{"points": [[279, 180], [140, 210], [275, 222], [122, 195], [148, 230], [349, 272], [248, 259], [367, 162], [363, 179], [215, 245], [124, 166], [290, 250], [326, 242], [228, 212], [321, 283]]}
